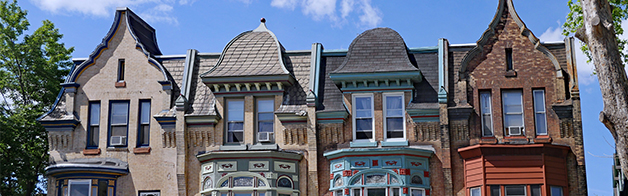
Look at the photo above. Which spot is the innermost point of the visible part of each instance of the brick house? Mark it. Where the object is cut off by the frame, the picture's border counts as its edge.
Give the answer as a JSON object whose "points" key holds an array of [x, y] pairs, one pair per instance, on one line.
{"points": [[498, 117]]}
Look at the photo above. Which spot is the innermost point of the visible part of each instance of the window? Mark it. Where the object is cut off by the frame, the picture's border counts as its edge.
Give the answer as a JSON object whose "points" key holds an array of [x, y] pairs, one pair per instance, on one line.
{"points": [[513, 112], [284, 182], [149, 193], [557, 191], [118, 125], [363, 117], [375, 191], [515, 190], [486, 114], [395, 192], [496, 190], [265, 119], [235, 121], [509, 59], [338, 193], [357, 192], [539, 112], [394, 122], [143, 137], [94, 125], [79, 187], [475, 191], [417, 192], [121, 70], [535, 190]]}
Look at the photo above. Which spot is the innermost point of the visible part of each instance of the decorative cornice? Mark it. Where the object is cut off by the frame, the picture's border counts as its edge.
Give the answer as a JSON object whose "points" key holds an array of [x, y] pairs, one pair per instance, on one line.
{"points": [[424, 115], [376, 81], [211, 120], [331, 117]]}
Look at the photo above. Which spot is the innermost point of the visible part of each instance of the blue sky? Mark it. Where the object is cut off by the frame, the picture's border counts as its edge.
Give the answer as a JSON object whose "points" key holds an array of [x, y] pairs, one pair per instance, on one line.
{"points": [[209, 25]]}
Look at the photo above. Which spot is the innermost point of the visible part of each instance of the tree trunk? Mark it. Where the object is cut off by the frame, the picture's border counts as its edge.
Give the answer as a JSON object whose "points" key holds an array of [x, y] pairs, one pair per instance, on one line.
{"points": [[599, 35]]}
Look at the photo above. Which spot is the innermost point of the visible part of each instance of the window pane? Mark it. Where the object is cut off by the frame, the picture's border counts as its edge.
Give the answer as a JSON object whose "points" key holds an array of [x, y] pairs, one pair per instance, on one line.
{"points": [[363, 106], [265, 126], [539, 101], [363, 135], [536, 190], [118, 130], [394, 192], [236, 126], [357, 192], [394, 106], [265, 116], [417, 192], [235, 111], [338, 193], [144, 133], [515, 190], [541, 126], [94, 134], [80, 188], [487, 125], [377, 192], [119, 113], [394, 124], [265, 105], [243, 181], [364, 124], [102, 188], [94, 116], [476, 191], [235, 137], [485, 102], [557, 191], [495, 190], [512, 98], [145, 115], [375, 179], [513, 120]]}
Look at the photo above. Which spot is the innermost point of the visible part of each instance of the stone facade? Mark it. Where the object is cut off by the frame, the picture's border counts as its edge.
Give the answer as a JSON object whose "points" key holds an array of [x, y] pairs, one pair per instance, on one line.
{"points": [[376, 119]]}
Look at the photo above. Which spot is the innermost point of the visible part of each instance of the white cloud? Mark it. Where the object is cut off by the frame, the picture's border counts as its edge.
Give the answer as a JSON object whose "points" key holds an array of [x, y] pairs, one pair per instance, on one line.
{"points": [[360, 12], [552, 34], [285, 4], [159, 11]]}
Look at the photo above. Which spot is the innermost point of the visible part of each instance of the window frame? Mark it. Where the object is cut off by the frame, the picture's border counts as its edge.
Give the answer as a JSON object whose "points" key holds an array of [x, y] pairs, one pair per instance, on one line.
{"points": [[525, 189], [504, 113], [140, 133], [544, 112], [111, 125], [479, 188], [121, 70], [509, 60], [80, 181], [372, 117], [385, 115], [90, 126], [257, 117], [489, 114], [227, 121], [412, 189]]}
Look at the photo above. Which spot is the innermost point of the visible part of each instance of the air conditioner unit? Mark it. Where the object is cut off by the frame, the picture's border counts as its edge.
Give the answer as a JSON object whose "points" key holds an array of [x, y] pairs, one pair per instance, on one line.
{"points": [[264, 136], [515, 130], [117, 140]]}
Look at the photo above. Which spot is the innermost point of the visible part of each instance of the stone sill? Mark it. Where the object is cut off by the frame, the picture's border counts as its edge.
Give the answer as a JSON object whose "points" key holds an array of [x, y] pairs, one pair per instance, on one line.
{"points": [[233, 147], [395, 143], [120, 84], [363, 144], [91, 151], [111, 148], [142, 150], [263, 147]]}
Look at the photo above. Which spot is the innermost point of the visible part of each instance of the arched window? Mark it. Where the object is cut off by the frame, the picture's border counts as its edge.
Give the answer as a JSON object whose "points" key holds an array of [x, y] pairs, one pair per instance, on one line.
{"points": [[338, 181], [416, 180], [284, 182], [208, 183]]}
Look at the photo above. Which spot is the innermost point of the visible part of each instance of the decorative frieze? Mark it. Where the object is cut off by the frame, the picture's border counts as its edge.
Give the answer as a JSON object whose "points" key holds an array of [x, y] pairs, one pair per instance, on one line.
{"points": [[60, 140], [331, 133], [169, 139], [295, 135], [427, 131]]}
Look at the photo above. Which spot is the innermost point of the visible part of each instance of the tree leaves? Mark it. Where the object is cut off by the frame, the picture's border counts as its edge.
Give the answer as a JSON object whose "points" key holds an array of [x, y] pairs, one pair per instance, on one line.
{"points": [[31, 68]]}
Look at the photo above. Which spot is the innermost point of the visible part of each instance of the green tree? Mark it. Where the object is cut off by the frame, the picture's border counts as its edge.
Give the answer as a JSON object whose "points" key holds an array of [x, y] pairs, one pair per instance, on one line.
{"points": [[31, 68], [597, 24]]}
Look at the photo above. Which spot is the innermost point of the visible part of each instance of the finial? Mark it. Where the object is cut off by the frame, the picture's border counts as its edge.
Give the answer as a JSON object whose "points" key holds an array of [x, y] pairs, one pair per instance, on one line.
{"points": [[263, 20]]}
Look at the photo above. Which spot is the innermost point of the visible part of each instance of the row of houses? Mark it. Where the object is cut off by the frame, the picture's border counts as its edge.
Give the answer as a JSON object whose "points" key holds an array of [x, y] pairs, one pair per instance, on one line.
{"points": [[498, 117]]}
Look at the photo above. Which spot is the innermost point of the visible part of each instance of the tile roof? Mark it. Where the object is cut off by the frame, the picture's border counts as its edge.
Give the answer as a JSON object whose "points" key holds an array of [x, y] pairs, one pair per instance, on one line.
{"points": [[175, 68], [252, 53], [331, 96], [201, 99], [377, 50]]}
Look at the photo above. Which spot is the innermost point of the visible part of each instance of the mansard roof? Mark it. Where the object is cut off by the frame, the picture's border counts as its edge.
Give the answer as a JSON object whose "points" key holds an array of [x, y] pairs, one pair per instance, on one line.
{"points": [[377, 50], [252, 53]]}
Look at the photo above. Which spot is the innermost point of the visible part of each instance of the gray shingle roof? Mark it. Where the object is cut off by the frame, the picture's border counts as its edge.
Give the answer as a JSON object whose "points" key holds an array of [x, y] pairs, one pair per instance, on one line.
{"points": [[59, 112], [377, 50], [331, 95], [175, 68], [252, 53], [202, 100]]}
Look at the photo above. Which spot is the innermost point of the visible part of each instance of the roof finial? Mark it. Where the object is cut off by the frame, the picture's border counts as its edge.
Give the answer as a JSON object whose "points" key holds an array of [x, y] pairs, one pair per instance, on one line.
{"points": [[263, 20]]}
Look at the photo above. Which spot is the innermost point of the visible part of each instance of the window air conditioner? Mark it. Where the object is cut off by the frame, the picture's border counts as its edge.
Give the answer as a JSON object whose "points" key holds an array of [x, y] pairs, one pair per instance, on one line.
{"points": [[515, 130], [118, 140], [264, 136]]}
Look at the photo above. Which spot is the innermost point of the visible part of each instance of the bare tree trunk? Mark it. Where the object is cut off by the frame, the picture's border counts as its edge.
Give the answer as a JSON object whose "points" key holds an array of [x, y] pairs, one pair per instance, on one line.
{"points": [[599, 35]]}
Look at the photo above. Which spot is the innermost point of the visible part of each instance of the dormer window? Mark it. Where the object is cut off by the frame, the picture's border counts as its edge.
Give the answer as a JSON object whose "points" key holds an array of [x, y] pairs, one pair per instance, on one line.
{"points": [[394, 113], [265, 119], [363, 117], [235, 121]]}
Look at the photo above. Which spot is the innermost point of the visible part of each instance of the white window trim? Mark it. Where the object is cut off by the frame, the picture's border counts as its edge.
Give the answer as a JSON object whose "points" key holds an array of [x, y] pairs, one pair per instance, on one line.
{"points": [[353, 103], [227, 122], [341, 190], [504, 112], [257, 117], [544, 112], [88, 181], [403, 116], [490, 113]]}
